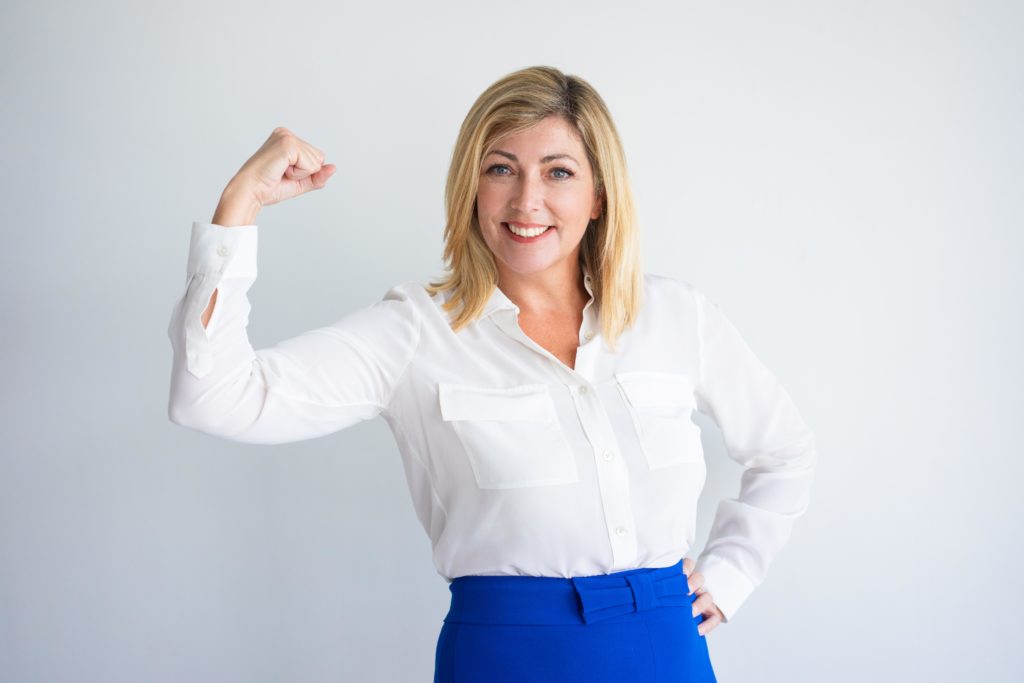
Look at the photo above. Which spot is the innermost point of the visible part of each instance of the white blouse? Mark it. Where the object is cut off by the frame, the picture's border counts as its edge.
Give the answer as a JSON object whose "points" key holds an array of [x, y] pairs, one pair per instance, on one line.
{"points": [[516, 463]]}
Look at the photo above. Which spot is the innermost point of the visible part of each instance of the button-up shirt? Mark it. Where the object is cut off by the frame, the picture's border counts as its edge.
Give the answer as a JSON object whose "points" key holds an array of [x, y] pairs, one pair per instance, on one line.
{"points": [[516, 463]]}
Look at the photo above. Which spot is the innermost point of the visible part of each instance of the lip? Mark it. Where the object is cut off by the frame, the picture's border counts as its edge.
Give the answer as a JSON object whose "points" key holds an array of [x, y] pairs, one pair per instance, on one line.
{"points": [[527, 240], [527, 225]]}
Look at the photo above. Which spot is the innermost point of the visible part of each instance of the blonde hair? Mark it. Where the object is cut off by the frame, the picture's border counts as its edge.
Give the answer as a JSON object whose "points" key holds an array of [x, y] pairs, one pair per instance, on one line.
{"points": [[610, 248]]}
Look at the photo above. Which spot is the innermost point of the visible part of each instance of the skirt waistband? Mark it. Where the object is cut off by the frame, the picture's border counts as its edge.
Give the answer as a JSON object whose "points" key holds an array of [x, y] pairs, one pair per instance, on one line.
{"points": [[619, 596]]}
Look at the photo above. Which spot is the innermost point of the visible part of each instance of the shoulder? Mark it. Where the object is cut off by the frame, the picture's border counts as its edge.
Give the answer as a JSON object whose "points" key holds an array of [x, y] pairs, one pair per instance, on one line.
{"points": [[669, 288], [412, 293], [397, 312], [415, 297]]}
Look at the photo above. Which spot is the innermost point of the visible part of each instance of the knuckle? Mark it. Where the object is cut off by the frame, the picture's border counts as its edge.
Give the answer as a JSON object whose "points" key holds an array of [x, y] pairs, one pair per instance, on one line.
{"points": [[286, 136]]}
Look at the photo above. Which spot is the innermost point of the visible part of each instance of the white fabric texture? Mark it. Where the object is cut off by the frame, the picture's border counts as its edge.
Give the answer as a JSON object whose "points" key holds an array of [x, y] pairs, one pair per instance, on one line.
{"points": [[516, 463]]}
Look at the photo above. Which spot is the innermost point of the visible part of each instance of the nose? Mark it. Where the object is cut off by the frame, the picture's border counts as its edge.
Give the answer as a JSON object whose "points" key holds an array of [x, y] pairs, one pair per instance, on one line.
{"points": [[528, 196]]}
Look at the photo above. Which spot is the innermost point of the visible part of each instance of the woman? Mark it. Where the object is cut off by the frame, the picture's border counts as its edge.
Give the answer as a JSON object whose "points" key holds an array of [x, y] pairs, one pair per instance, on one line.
{"points": [[540, 394]]}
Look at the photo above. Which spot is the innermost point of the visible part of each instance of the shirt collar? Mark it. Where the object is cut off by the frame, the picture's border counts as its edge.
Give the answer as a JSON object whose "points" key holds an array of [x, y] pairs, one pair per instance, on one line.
{"points": [[498, 301]]}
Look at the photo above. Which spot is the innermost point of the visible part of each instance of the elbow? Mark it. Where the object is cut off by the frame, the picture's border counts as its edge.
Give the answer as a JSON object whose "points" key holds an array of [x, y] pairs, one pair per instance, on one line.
{"points": [[223, 425], [801, 457], [181, 415], [190, 414]]}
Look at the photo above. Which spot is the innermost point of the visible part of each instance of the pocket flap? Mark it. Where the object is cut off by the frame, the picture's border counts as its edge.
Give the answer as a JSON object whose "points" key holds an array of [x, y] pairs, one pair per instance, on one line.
{"points": [[651, 389], [525, 403]]}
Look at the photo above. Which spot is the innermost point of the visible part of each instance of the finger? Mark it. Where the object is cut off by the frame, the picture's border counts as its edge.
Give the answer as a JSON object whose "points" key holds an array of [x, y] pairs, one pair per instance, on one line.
{"points": [[318, 154], [688, 565], [702, 604], [708, 623], [306, 162], [315, 157], [317, 180]]}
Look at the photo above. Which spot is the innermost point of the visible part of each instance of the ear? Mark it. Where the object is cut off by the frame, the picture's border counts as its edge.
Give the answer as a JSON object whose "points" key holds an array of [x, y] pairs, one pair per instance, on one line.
{"points": [[598, 207]]}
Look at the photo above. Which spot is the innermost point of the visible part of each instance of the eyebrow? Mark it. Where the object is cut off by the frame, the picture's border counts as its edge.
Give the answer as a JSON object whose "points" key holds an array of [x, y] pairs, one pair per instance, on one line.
{"points": [[544, 160]]}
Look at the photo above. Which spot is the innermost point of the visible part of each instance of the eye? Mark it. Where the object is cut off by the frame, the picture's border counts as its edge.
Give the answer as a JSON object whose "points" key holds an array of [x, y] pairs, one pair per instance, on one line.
{"points": [[495, 166], [568, 173]]}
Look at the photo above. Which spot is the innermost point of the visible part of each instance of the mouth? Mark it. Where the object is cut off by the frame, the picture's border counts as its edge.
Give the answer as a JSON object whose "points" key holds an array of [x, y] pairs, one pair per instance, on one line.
{"points": [[527, 233]]}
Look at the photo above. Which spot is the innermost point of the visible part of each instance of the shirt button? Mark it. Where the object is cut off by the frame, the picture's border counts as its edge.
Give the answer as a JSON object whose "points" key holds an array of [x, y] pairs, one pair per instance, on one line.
{"points": [[621, 530], [588, 335], [608, 455], [583, 391], [222, 250]]}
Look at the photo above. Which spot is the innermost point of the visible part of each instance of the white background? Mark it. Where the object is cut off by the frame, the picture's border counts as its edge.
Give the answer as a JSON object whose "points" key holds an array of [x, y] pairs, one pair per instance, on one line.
{"points": [[844, 178]]}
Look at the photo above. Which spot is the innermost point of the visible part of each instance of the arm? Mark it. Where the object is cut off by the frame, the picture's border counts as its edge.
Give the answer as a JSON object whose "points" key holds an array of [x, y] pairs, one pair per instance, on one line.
{"points": [[232, 211], [313, 384], [763, 432]]}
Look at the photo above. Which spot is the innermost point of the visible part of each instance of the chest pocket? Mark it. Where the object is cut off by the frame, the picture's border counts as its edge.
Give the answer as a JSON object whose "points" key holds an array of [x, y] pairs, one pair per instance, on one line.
{"points": [[512, 436], [660, 405]]}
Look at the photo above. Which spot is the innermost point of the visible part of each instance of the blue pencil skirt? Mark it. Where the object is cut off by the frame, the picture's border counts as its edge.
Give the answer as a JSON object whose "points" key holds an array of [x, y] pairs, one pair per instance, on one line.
{"points": [[635, 625]]}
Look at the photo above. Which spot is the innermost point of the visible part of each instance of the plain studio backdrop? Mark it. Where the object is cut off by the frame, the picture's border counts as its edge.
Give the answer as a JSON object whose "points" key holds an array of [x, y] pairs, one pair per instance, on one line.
{"points": [[844, 178]]}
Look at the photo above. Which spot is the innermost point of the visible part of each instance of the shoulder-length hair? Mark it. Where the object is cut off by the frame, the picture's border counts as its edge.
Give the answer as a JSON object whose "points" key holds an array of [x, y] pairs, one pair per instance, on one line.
{"points": [[610, 248]]}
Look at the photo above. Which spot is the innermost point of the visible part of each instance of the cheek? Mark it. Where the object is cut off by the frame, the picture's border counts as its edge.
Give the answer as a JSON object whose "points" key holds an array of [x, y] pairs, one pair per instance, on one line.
{"points": [[488, 199], [574, 206]]}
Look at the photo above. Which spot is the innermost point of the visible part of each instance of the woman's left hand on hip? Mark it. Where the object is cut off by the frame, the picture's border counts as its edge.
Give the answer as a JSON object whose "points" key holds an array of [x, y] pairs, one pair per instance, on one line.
{"points": [[704, 604]]}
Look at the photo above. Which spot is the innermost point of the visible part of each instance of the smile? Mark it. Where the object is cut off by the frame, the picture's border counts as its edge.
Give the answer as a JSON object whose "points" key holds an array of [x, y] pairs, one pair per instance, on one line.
{"points": [[526, 234]]}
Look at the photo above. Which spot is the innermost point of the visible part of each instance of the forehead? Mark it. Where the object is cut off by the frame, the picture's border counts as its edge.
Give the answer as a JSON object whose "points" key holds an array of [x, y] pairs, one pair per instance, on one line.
{"points": [[552, 135]]}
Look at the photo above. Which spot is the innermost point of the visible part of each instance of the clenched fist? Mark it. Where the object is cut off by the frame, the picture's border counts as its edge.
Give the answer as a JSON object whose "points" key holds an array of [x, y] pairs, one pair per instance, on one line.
{"points": [[284, 167]]}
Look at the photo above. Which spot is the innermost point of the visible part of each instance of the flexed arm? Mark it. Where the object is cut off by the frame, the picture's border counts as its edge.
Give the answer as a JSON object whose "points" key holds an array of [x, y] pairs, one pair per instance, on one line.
{"points": [[313, 384]]}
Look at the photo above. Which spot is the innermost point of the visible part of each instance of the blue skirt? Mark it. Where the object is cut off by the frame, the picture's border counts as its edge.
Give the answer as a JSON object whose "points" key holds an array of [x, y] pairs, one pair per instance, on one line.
{"points": [[633, 625]]}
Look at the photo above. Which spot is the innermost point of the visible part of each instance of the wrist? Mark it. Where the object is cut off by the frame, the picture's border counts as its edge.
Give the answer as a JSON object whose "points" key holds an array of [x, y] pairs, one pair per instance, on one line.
{"points": [[238, 206]]}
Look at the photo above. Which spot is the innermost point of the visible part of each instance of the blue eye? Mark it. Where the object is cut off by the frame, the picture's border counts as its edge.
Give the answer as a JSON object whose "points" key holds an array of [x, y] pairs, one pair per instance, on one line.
{"points": [[494, 167], [497, 166]]}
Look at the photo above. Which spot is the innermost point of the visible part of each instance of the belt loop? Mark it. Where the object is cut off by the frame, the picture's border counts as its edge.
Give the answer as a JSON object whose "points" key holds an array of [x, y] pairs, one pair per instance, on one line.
{"points": [[643, 590]]}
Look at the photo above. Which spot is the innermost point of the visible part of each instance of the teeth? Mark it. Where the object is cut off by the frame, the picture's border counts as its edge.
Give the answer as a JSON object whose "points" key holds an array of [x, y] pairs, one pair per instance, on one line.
{"points": [[526, 232]]}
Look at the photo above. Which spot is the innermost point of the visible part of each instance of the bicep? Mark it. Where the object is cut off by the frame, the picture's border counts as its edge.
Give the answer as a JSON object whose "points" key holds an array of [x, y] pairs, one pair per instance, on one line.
{"points": [[310, 385]]}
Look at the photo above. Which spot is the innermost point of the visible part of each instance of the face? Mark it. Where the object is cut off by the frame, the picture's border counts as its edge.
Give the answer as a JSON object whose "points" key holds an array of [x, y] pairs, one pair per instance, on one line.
{"points": [[539, 179]]}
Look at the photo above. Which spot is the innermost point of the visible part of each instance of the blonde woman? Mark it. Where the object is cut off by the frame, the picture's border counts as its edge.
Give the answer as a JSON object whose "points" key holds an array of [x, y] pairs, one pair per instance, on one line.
{"points": [[540, 394]]}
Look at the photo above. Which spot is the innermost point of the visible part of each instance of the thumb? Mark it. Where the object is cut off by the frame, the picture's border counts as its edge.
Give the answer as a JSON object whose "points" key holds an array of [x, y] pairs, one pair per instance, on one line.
{"points": [[325, 172], [318, 179]]}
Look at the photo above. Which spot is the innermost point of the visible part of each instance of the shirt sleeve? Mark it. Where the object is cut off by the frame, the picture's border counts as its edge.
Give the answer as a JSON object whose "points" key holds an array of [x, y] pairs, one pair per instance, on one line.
{"points": [[316, 383], [763, 432]]}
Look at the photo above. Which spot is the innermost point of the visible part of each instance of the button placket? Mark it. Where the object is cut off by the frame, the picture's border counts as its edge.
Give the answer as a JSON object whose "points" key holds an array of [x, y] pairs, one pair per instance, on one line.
{"points": [[612, 476], [613, 480]]}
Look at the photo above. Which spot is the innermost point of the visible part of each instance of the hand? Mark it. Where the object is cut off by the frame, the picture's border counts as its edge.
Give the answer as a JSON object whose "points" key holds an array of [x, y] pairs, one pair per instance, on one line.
{"points": [[284, 167], [704, 603]]}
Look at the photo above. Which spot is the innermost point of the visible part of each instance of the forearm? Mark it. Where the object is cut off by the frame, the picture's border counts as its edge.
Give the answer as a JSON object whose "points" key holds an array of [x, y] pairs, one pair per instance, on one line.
{"points": [[237, 207]]}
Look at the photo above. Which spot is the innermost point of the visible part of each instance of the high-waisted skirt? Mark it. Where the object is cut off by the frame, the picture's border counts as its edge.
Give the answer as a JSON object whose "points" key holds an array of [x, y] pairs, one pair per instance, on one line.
{"points": [[635, 625]]}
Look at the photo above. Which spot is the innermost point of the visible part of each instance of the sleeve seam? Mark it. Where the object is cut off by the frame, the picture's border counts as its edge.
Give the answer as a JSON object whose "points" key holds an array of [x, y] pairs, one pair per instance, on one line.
{"points": [[415, 350], [414, 454]]}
